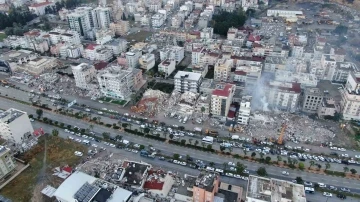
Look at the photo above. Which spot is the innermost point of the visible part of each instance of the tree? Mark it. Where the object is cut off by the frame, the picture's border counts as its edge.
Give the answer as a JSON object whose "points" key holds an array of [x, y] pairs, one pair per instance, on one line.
{"points": [[327, 166], [125, 125], [261, 155], [301, 166], [146, 130], [202, 111], [176, 156], [353, 171], [39, 113], [196, 142], [294, 162], [245, 152], [341, 29], [312, 163], [240, 167], [118, 137], [222, 21], [142, 147], [346, 169], [261, 172], [319, 166], [182, 128], [55, 132], [279, 159], [106, 135], [222, 149], [268, 159], [209, 147], [183, 142], [253, 155], [299, 180], [211, 164], [171, 136], [190, 141]]}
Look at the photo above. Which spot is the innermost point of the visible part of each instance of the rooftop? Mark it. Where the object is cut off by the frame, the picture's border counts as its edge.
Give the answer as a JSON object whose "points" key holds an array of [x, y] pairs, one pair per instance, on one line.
{"points": [[206, 181], [41, 4], [14, 55], [187, 75], [292, 87], [134, 172], [223, 90], [82, 67], [274, 190], [10, 115]]}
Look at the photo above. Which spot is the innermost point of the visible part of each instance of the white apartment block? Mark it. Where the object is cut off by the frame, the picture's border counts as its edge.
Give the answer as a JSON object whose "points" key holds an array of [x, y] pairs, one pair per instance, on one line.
{"points": [[132, 58], [313, 98], [207, 33], [146, 20], [283, 96], [172, 52], [304, 79], [15, 126], [116, 82], [147, 61], [342, 71], [70, 51], [117, 46], [196, 55], [328, 64], [101, 17], [246, 4], [187, 81], [98, 52], [81, 20], [7, 162], [297, 51], [221, 99], [222, 69], [84, 74], [249, 75], [67, 36], [176, 21], [36, 44], [244, 110], [350, 98], [157, 20], [120, 27], [167, 67], [283, 13]]}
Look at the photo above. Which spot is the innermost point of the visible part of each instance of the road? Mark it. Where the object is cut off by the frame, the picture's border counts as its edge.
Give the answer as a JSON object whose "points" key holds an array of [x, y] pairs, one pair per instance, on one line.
{"points": [[186, 170], [21, 95]]}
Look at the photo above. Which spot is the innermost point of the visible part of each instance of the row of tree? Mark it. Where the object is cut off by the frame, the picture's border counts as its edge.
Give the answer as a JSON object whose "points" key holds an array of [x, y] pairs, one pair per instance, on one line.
{"points": [[20, 16]]}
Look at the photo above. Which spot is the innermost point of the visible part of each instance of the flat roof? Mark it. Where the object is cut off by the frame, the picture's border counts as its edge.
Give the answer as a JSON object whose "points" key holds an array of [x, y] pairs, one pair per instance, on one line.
{"points": [[120, 195], [223, 90], [134, 172], [11, 115], [187, 75], [274, 190]]}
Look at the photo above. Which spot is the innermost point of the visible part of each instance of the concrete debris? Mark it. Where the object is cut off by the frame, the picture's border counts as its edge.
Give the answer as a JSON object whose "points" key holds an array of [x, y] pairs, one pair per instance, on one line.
{"points": [[151, 103]]}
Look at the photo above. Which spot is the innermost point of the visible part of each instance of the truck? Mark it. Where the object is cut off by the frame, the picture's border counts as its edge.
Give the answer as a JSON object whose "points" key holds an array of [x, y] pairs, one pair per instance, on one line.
{"points": [[212, 133], [197, 129]]}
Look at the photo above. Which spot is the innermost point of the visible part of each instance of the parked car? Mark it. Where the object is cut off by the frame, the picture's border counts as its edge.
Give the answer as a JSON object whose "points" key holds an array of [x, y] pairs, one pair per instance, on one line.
{"points": [[327, 194], [77, 153], [345, 189], [308, 184], [285, 173]]}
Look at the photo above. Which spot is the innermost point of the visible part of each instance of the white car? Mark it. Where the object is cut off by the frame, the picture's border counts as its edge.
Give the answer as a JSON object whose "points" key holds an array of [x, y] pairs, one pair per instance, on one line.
{"points": [[285, 173], [66, 131], [87, 110], [232, 168], [246, 171], [32, 120], [100, 112], [357, 156], [77, 153], [71, 138], [112, 145], [327, 194], [229, 174], [342, 149], [183, 163], [133, 150], [106, 143], [78, 140], [94, 145], [136, 145], [344, 155], [231, 164], [104, 109], [322, 185], [85, 136]]}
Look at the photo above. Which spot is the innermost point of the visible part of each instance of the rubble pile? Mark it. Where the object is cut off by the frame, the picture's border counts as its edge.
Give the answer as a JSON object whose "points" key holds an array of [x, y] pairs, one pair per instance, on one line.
{"points": [[151, 103], [106, 169], [298, 128]]}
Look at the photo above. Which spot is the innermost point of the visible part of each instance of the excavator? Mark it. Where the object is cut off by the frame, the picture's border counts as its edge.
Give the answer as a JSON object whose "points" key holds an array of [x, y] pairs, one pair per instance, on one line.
{"points": [[280, 140]]}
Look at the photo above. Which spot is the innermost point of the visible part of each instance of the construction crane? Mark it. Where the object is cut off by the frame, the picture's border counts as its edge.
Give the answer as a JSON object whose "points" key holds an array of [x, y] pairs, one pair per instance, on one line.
{"points": [[282, 133]]}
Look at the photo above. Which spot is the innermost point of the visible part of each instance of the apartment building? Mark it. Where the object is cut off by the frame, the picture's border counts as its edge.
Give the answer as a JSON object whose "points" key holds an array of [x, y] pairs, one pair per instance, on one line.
{"points": [[176, 21], [15, 126], [7, 162], [249, 75], [145, 20], [167, 67], [120, 28], [260, 189], [313, 98], [37, 44], [116, 82], [221, 99], [132, 58], [207, 33], [222, 69], [246, 4], [84, 74], [327, 108], [172, 52], [157, 20], [98, 52], [304, 79], [67, 36], [196, 55], [206, 187], [274, 63], [81, 20], [283, 95], [101, 17], [342, 71], [350, 97], [147, 61], [328, 64], [244, 110], [117, 46], [187, 81]]}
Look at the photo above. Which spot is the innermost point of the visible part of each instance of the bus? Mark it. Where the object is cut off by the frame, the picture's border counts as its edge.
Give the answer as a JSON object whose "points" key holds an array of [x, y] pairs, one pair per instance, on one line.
{"points": [[208, 140], [309, 190]]}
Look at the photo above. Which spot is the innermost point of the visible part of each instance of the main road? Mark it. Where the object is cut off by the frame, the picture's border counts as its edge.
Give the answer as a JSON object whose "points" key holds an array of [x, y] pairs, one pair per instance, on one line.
{"points": [[272, 170]]}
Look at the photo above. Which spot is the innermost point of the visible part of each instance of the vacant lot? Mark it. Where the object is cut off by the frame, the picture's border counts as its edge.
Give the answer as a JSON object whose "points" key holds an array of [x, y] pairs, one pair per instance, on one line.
{"points": [[137, 36], [59, 152]]}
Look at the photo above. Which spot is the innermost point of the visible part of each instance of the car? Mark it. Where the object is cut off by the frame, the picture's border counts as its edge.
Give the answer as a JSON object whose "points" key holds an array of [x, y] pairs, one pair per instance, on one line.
{"points": [[32, 120], [106, 143], [111, 145], [85, 136], [246, 172], [308, 183], [327, 194], [285, 173], [232, 168], [134, 151], [345, 189], [71, 138], [100, 112], [342, 149], [322, 185], [357, 156], [78, 140], [341, 196], [345, 155], [136, 145], [231, 164], [162, 158], [77, 153], [87, 109], [332, 188], [104, 109], [229, 174], [101, 101]]}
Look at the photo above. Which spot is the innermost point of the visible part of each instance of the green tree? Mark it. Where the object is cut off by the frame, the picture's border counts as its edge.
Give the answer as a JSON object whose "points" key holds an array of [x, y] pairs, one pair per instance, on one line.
{"points": [[142, 147], [346, 169], [171, 136], [222, 149], [124, 125], [299, 180], [353, 171], [209, 147], [196, 142], [106, 135], [176, 156], [183, 142], [39, 113], [268, 159], [279, 158], [55, 132], [261, 172], [319, 166], [261, 155], [190, 141], [253, 155], [301, 166], [327, 166], [312, 163], [146, 130], [211, 164]]}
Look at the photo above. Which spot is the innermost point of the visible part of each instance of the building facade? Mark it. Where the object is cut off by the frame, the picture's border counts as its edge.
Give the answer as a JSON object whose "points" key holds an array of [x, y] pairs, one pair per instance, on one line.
{"points": [[283, 96], [83, 74], [187, 81], [167, 67], [312, 100], [221, 99]]}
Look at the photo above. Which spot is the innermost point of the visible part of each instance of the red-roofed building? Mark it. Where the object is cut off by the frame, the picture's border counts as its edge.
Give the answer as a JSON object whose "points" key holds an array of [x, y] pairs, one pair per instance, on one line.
{"points": [[39, 8], [254, 38], [221, 99], [91, 46], [158, 183]]}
